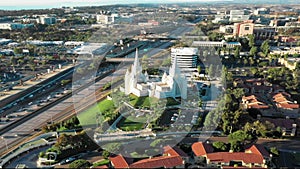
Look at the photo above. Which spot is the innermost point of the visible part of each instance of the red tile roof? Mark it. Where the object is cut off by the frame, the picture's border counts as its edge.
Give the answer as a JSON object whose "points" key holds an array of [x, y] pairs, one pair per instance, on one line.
{"points": [[201, 149], [158, 162], [119, 162], [283, 100], [288, 106], [259, 150], [226, 157], [171, 159], [174, 151], [253, 102]]}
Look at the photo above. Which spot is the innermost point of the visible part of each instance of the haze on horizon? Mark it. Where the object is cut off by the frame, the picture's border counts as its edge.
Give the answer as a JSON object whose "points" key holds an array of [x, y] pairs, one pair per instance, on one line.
{"points": [[37, 4]]}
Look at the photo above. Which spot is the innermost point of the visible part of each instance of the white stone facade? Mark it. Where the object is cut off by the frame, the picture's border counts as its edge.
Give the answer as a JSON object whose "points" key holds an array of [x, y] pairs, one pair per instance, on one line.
{"points": [[139, 84]]}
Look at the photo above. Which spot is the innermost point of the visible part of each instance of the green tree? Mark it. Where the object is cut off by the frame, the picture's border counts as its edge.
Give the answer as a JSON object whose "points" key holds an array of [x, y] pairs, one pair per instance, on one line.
{"points": [[254, 71], [105, 154], [251, 61], [253, 51], [237, 52], [239, 136], [220, 146], [236, 146], [245, 62], [167, 62], [274, 151], [265, 47], [199, 69], [238, 93], [251, 42], [80, 164], [210, 71]]}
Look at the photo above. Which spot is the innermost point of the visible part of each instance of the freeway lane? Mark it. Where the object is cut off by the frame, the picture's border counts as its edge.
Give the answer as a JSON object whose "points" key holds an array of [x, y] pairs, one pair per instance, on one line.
{"points": [[56, 110], [21, 129], [24, 98]]}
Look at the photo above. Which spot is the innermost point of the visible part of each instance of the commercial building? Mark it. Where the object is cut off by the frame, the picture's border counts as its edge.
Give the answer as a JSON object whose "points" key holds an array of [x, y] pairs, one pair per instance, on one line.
{"points": [[13, 26], [238, 16], [186, 57], [107, 18], [260, 32], [262, 11], [46, 20], [216, 44], [243, 29]]}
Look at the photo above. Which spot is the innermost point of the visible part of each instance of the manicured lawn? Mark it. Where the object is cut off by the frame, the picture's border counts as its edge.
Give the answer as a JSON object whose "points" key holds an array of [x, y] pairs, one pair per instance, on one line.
{"points": [[145, 102], [141, 101], [129, 125], [88, 117]]}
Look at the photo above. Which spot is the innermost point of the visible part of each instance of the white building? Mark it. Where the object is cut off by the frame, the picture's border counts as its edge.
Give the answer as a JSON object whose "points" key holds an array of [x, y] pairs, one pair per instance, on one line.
{"points": [[139, 83], [216, 44], [261, 11], [186, 57], [107, 19], [238, 16], [45, 20]]}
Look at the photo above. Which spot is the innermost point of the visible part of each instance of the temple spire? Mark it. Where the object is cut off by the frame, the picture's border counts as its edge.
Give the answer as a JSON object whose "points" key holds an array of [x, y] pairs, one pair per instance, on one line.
{"points": [[136, 63]]}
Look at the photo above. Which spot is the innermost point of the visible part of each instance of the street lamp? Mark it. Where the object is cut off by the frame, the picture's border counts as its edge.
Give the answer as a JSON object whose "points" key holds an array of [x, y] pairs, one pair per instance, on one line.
{"points": [[5, 142]]}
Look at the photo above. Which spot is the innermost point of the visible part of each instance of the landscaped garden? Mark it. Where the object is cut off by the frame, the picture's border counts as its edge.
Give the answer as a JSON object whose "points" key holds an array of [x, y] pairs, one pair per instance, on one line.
{"points": [[147, 102], [132, 123], [104, 109]]}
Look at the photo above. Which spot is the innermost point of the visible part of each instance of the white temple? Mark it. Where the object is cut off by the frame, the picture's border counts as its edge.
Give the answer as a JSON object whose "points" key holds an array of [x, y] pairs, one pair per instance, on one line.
{"points": [[139, 84]]}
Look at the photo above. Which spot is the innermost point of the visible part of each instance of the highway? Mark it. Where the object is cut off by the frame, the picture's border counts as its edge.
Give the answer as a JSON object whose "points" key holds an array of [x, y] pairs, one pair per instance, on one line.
{"points": [[26, 96], [19, 130], [23, 129]]}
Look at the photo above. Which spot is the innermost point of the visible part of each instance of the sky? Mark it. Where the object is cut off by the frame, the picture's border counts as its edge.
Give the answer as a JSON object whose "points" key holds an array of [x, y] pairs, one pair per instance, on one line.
{"points": [[38, 4]]}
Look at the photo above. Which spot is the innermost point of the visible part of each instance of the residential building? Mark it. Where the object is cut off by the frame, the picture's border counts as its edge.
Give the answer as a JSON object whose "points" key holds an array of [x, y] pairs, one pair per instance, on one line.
{"points": [[284, 103], [139, 83], [252, 102], [258, 86], [254, 157], [186, 57], [288, 126], [171, 158]]}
